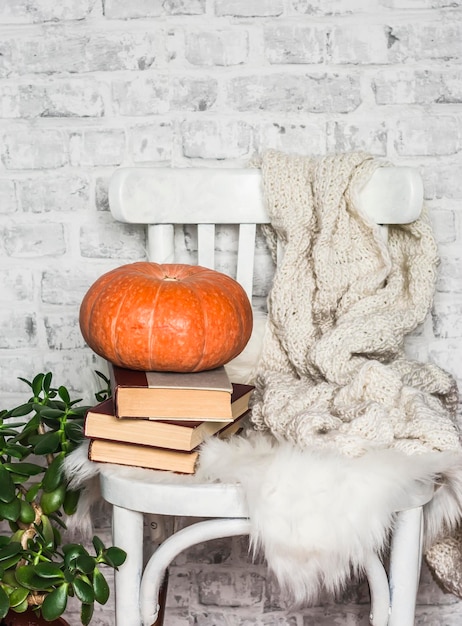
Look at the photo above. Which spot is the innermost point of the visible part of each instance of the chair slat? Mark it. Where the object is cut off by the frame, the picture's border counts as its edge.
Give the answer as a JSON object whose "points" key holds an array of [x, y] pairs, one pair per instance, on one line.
{"points": [[206, 245], [161, 248], [246, 257]]}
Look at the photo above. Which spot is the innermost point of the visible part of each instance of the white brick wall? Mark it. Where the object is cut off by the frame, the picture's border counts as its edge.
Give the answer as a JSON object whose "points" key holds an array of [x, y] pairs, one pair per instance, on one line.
{"points": [[87, 85]]}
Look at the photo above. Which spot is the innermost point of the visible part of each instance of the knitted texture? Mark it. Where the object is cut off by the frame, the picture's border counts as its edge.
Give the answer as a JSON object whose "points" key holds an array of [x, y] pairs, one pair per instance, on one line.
{"points": [[333, 372]]}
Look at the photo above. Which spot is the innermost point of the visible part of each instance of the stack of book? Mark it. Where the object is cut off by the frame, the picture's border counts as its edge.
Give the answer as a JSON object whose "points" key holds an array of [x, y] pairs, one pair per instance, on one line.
{"points": [[157, 420]]}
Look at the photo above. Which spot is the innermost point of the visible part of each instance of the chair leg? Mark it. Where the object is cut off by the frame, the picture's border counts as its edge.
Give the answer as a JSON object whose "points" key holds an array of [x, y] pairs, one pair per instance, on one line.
{"points": [[127, 530], [157, 565], [405, 564], [162, 601], [379, 590]]}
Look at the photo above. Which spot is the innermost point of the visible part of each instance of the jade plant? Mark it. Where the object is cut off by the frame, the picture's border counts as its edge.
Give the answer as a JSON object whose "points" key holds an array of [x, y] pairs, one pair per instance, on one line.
{"points": [[38, 571]]}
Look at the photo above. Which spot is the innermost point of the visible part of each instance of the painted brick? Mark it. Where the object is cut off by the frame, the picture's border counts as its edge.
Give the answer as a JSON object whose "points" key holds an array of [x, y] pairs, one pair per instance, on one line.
{"points": [[32, 148], [76, 98], [6, 57], [223, 47], [420, 4], [249, 8], [46, 194], [99, 147], [215, 140], [213, 552], [120, 9], [286, 93], [66, 287], [364, 43], [450, 275], [294, 44], [446, 354], [18, 329], [75, 369], [307, 138], [334, 7], [230, 588], [23, 11], [115, 241], [8, 202], [417, 87], [444, 226], [142, 95], [151, 143], [442, 180], [63, 331], [17, 285], [101, 194], [157, 94], [34, 240], [447, 320], [55, 51], [370, 136], [23, 365], [192, 93], [425, 135]]}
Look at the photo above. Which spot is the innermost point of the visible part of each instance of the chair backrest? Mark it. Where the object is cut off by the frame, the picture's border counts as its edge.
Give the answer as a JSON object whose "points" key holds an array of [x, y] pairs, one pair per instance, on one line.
{"points": [[161, 198]]}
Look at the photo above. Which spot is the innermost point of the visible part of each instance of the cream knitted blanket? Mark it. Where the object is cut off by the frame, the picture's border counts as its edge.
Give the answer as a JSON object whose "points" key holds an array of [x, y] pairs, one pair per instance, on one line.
{"points": [[333, 372]]}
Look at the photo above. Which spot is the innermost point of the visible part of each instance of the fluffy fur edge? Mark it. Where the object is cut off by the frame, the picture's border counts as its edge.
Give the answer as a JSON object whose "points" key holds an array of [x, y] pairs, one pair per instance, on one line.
{"points": [[316, 515]]}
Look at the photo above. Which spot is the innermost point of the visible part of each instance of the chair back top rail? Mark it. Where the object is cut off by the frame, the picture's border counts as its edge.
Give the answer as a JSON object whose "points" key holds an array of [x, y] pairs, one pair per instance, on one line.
{"points": [[157, 195]]}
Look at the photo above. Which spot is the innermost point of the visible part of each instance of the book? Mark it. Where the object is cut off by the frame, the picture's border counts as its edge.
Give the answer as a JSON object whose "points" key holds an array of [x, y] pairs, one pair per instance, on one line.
{"points": [[171, 395], [101, 423], [150, 457]]}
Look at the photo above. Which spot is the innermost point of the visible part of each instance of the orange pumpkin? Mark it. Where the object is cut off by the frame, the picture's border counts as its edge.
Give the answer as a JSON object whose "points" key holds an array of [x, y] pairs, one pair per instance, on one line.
{"points": [[173, 317]]}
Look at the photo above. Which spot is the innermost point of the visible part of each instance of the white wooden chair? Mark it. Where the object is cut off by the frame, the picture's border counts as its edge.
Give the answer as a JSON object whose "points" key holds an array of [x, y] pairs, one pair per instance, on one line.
{"points": [[161, 198]]}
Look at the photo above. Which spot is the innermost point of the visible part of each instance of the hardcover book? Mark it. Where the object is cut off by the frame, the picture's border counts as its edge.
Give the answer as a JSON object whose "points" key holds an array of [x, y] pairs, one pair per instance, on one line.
{"points": [[101, 423], [150, 457], [170, 395]]}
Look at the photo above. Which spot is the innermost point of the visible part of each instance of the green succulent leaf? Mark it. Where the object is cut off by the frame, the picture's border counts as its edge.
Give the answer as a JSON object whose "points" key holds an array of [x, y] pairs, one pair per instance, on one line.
{"points": [[18, 596], [9, 550], [23, 409], [71, 500], [25, 469], [16, 450], [4, 604], [26, 577], [115, 557], [100, 587], [98, 545], [10, 510], [55, 603], [74, 431], [7, 489], [37, 384], [51, 413], [83, 591], [21, 608], [64, 394], [86, 613], [47, 382], [47, 443], [54, 474], [85, 563], [32, 492], [48, 570], [52, 501]]}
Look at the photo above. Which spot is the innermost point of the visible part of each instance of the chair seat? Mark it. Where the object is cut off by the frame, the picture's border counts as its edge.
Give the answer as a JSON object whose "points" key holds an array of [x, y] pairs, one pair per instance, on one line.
{"points": [[138, 490]]}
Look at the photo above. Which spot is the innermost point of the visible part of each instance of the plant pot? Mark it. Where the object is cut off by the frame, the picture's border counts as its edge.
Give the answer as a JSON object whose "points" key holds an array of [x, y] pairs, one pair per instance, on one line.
{"points": [[29, 618]]}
